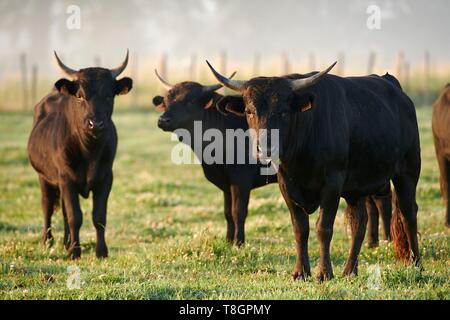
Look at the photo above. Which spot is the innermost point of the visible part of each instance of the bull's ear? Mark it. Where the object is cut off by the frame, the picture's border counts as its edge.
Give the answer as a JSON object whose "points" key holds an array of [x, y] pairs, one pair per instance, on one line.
{"points": [[66, 86], [303, 102], [158, 101], [231, 104], [209, 104], [123, 86]]}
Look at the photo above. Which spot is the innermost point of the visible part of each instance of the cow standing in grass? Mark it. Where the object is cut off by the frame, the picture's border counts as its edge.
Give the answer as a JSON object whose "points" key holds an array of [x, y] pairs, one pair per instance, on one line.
{"points": [[441, 135], [339, 137], [187, 102], [72, 147]]}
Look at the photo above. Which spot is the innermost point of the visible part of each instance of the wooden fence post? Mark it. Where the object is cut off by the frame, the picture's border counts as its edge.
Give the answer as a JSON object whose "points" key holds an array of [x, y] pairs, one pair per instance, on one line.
{"points": [[427, 71], [341, 64], [285, 64], [223, 62], [97, 61], [134, 75], [34, 83], [400, 65], [162, 70], [23, 69], [193, 68], [312, 62], [371, 62], [256, 64]]}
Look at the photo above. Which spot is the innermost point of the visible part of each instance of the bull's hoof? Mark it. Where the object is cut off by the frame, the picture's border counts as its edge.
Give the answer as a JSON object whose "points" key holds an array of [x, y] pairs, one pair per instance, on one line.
{"points": [[350, 270], [67, 245], [325, 275], [372, 244], [48, 241], [101, 252], [417, 263], [75, 253], [230, 240], [300, 275]]}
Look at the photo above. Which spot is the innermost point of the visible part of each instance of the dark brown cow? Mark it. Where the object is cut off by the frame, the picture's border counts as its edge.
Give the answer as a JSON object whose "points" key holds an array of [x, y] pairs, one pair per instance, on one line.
{"points": [[441, 135], [72, 147]]}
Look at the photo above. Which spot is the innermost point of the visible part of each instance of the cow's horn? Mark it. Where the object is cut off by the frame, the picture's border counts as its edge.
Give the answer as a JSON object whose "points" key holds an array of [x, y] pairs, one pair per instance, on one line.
{"points": [[235, 85], [164, 83], [66, 69], [307, 82], [116, 71], [214, 87]]}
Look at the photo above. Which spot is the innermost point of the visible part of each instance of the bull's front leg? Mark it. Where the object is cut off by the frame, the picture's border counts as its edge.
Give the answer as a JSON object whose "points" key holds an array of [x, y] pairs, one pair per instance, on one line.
{"points": [[101, 192], [300, 225], [372, 226], [71, 202], [384, 205], [358, 222], [240, 197], [329, 202], [227, 207]]}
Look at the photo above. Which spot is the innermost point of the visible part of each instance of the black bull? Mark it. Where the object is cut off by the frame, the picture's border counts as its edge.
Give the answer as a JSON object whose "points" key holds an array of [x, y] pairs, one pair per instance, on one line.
{"points": [[187, 102], [72, 147], [339, 137]]}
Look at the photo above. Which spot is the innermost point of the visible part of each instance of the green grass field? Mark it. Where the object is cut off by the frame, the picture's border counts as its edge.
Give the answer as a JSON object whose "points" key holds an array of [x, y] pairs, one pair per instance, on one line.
{"points": [[166, 233]]}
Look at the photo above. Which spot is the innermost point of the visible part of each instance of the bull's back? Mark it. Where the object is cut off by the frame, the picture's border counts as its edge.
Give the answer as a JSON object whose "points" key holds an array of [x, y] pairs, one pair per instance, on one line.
{"points": [[440, 123], [382, 130], [49, 104], [41, 143]]}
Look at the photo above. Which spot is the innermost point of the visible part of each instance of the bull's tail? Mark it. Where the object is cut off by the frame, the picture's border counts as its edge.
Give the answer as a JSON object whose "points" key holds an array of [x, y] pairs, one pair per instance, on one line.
{"points": [[398, 233]]}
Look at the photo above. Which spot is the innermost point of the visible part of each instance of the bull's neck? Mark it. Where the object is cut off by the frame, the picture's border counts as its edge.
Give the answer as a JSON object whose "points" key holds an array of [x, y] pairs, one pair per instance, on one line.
{"points": [[296, 139], [209, 119], [213, 119]]}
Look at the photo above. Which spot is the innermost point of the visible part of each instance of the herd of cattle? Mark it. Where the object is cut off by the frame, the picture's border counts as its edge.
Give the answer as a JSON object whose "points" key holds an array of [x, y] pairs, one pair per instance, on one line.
{"points": [[339, 137]]}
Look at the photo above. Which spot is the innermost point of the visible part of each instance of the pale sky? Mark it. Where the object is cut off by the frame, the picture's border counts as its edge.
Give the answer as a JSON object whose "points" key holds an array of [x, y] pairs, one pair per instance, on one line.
{"points": [[206, 27]]}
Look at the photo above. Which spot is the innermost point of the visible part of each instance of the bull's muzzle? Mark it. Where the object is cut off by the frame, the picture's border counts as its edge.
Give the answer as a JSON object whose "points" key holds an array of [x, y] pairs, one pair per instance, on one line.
{"points": [[164, 123]]}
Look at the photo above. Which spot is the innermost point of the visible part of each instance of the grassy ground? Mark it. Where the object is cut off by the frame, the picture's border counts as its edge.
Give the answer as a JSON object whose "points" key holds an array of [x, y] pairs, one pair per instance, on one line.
{"points": [[166, 233]]}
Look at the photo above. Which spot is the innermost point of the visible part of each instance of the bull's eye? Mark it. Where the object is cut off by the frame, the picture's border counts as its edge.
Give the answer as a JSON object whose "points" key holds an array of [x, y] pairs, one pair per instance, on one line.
{"points": [[80, 98]]}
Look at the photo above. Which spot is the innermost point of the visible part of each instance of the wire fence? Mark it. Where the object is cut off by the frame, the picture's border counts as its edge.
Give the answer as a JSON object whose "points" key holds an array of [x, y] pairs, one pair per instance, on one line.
{"points": [[21, 91]]}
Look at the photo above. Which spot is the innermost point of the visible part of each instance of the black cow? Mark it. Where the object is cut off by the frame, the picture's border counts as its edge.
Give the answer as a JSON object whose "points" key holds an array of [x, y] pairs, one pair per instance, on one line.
{"points": [[72, 147], [338, 137], [187, 102]]}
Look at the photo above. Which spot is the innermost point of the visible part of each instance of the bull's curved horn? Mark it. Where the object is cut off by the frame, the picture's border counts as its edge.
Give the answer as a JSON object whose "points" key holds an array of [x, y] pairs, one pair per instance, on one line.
{"points": [[116, 71], [307, 82], [214, 87], [235, 85], [70, 72], [164, 83]]}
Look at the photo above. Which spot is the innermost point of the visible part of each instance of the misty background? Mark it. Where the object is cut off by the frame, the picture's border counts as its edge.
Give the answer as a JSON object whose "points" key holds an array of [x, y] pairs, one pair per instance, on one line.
{"points": [[253, 37]]}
